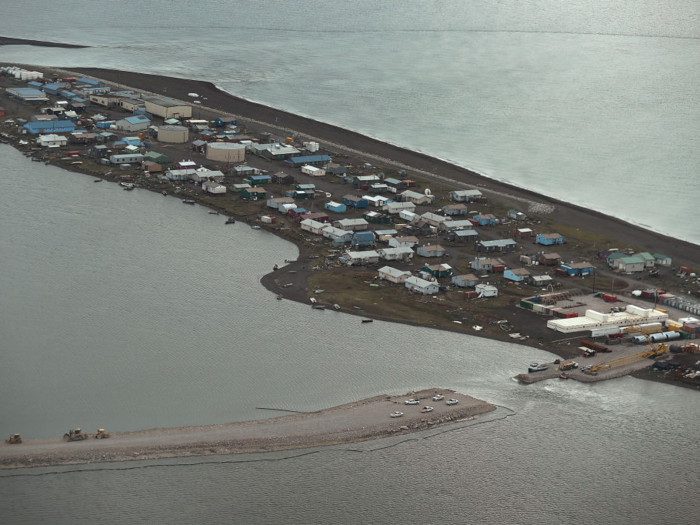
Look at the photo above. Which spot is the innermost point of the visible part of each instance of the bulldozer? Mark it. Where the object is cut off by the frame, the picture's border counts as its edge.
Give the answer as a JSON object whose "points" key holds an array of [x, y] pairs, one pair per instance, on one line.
{"points": [[101, 434], [75, 435], [14, 439]]}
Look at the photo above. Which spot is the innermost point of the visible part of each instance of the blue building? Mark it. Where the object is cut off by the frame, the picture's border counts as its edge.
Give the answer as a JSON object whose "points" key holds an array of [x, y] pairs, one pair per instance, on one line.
{"points": [[355, 202], [578, 269], [50, 126], [518, 274], [548, 239], [225, 121], [310, 160], [362, 239], [486, 219], [54, 87], [88, 82], [336, 207], [27, 95], [258, 180]]}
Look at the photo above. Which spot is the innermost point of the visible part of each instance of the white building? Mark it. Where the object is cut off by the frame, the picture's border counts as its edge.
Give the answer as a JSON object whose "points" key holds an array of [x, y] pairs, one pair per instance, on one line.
{"points": [[465, 195], [351, 224], [367, 257], [313, 171], [408, 241], [213, 187], [393, 275], [403, 253], [486, 290], [167, 108], [135, 123], [337, 235], [46, 141], [313, 226], [418, 285], [397, 207], [376, 200], [416, 198], [180, 174], [202, 174]]}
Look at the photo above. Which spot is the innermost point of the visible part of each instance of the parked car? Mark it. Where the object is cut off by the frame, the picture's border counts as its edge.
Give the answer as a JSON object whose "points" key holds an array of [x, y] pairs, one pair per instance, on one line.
{"points": [[451, 402], [438, 397], [411, 402]]}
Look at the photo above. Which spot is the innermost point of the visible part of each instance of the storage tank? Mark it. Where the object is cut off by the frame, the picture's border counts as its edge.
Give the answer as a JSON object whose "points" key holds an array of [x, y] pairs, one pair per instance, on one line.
{"points": [[173, 134], [312, 147], [226, 152], [639, 339]]}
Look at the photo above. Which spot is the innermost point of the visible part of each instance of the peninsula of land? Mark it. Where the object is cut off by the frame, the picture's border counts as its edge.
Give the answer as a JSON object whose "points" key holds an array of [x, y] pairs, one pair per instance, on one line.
{"points": [[10, 41], [350, 423]]}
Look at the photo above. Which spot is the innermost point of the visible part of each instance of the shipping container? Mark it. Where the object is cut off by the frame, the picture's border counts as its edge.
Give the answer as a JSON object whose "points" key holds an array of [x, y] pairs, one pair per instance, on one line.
{"points": [[594, 346], [471, 295], [609, 298]]}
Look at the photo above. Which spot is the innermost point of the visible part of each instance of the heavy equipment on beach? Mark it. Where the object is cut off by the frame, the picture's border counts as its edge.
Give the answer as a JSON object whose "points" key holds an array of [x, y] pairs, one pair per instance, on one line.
{"points": [[101, 434], [14, 439], [652, 352], [75, 435]]}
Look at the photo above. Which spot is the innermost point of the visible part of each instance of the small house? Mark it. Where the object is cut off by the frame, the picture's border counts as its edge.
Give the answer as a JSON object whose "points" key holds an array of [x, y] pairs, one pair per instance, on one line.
{"points": [[580, 269], [336, 207], [278, 178], [276, 202], [648, 258], [353, 201], [549, 239], [437, 270], [465, 281], [523, 233], [499, 245], [297, 212], [253, 193], [455, 209], [395, 185], [393, 275], [662, 260], [52, 141], [285, 208], [433, 219], [315, 216], [258, 180], [431, 250], [247, 171], [129, 158], [421, 286], [631, 264], [516, 215], [361, 258], [337, 235], [312, 171], [517, 274], [223, 121], [549, 259], [450, 226], [416, 198], [377, 218], [485, 219], [362, 240], [485, 264], [351, 224], [385, 235], [406, 241], [465, 195], [376, 200], [486, 290], [398, 207], [540, 280], [313, 226], [401, 253], [213, 187], [178, 175], [463, 236]]}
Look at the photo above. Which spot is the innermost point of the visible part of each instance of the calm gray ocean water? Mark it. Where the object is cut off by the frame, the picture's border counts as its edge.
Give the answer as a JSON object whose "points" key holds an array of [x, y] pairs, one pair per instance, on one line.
{"points": [[129, 310], [590, 101]]}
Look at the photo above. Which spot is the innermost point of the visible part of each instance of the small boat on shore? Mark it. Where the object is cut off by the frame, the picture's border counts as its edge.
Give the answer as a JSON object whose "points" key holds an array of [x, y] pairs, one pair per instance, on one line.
{"points": [[97, 180], [367, 320], [563, 376], [127, 186], [188, 201], [164, 193], [213, 213], [318, 306], [255, 227], [279, 297]]}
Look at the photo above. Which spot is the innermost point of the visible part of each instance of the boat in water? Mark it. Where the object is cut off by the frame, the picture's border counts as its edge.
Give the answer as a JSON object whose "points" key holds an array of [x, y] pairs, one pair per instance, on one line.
{"points": [[97, 180], [188, 201], [230, 220], [367, 320]]}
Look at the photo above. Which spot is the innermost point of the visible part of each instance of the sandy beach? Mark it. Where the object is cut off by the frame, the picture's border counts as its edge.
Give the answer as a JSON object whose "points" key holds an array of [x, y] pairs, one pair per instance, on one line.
{"points": [[350, 423]]}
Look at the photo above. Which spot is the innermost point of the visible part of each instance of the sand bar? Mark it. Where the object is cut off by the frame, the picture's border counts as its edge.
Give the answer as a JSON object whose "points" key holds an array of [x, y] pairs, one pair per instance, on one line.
{"points": [[350, 423]]}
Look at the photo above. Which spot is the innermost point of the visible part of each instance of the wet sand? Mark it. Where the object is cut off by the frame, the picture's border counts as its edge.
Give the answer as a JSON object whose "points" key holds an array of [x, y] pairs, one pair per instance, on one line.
{"points": [[349, 423]]}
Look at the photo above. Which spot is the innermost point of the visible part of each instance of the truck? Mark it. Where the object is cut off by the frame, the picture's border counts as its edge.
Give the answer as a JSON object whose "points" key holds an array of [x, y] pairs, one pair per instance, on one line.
{"points": [[595, 346], [568, 365]]}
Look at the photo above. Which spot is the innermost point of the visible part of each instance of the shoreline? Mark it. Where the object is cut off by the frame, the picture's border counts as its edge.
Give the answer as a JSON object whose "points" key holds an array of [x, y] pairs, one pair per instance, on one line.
{"points": [[354, 422], [11, 41]]}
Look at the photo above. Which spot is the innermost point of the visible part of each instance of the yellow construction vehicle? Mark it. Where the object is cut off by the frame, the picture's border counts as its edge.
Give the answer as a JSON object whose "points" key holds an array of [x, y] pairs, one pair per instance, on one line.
{"points": [[75, 435], [651, 352], [101, 434], [14, 439]]}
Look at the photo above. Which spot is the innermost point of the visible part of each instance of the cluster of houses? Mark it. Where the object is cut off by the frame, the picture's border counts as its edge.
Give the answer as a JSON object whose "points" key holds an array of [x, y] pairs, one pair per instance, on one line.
{"points": [[635, 262]]}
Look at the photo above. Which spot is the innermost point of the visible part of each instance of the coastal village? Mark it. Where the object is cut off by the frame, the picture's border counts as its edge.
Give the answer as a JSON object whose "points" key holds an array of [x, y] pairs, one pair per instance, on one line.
{"points": [[376, 240]]}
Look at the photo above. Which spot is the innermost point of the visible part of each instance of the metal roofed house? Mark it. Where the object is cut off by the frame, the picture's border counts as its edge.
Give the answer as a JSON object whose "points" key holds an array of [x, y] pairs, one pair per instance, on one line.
{"points": [[633, 264], [258, 180], [614, 257], [398, 207], [540, 280], [378, 218], [311, 160], [376, 200], [276, 202], [395, 185], [313, 226], [416, 198], [131, 158], [465, 281], [362, 240], [499, 245], [253, 193], [434, 219], [202, 174], [177, 175], [463, 235], [213, 187], [385, 235], [431, 250], [549, 239], [487, 264], [337, 235], [393, 275], [135, 123], [351, 224], [312, 171], [663, 260], [450, 226], [578, 269], [455, 209], [465, 195], [47, 141], [401, 253], [354, 201], [421, 286], [485, 219], [367, 257], [548, 259], [486, 290], [405, 241], [336, 207], [437, 270], [516, 215], [649, 260], [517, 274]]}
